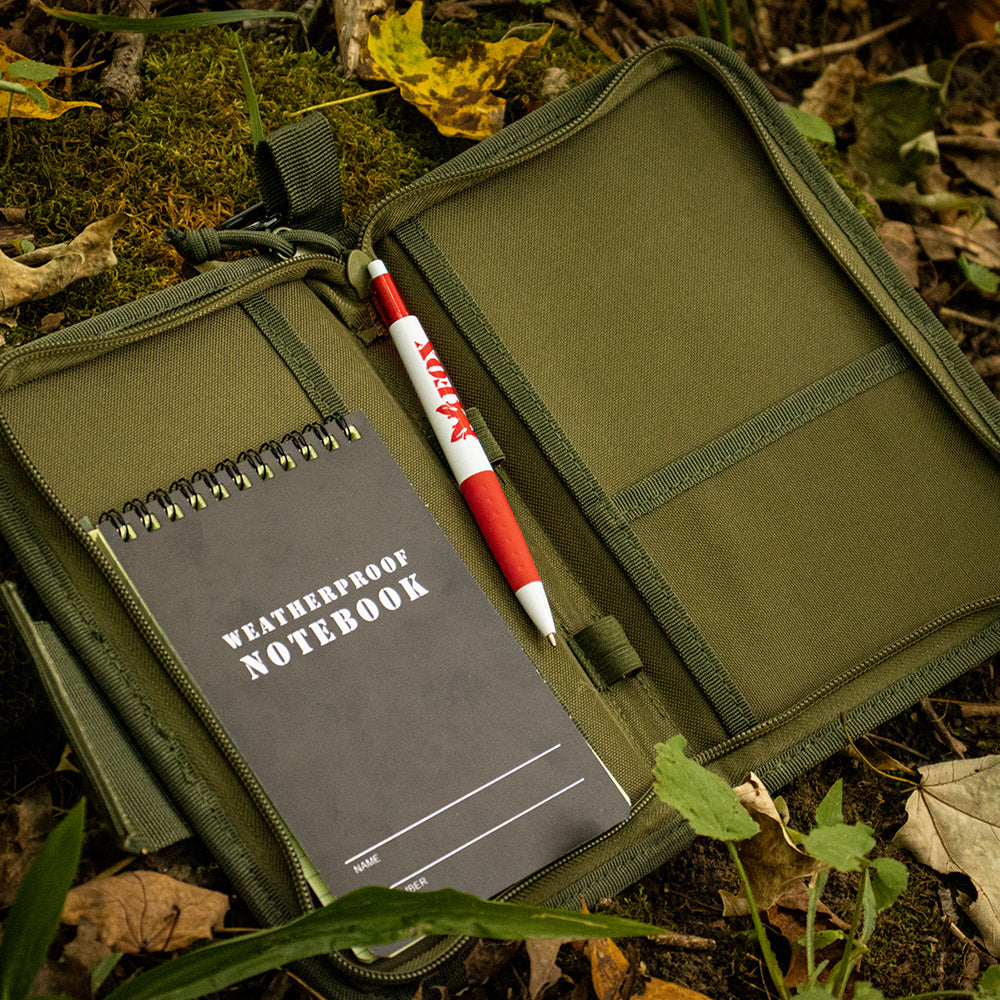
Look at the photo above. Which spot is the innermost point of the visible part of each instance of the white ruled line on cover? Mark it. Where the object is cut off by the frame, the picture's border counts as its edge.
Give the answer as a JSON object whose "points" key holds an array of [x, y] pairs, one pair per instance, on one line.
{"points": [[499, 826], [450, 805]]}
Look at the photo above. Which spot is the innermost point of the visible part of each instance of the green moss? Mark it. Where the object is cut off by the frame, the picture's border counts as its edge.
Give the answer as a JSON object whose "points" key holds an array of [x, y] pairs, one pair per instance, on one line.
{"points": [[830, 158], [183, 156]]}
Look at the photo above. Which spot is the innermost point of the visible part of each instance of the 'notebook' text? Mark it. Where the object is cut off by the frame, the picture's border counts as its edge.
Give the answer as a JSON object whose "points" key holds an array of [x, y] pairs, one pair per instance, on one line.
{"points": [[382, 597]]}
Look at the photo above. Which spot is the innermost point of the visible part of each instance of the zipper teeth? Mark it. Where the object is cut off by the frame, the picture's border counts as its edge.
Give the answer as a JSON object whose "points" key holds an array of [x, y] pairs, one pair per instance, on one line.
{"points": [[921, 348], [856, 671], [186, 686], [164, 654], [513, 159]]}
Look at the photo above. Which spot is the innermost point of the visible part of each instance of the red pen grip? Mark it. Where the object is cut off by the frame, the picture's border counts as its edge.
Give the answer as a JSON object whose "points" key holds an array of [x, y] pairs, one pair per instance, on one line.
{"points": [[488, 503]]}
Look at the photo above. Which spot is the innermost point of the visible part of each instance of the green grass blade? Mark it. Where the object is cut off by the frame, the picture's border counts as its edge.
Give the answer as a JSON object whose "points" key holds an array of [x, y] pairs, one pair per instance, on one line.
{"points": [[156, 25], [368, 916], [253, 110], [34, 916]]}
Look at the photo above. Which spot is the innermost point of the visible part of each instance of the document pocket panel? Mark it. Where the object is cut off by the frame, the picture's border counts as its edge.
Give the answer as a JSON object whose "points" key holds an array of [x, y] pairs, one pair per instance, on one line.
{"points": [[810, 558]]}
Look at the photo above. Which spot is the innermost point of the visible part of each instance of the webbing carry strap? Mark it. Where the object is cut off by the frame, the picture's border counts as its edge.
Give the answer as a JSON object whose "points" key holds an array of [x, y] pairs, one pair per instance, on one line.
{"points": [[298, 171]]}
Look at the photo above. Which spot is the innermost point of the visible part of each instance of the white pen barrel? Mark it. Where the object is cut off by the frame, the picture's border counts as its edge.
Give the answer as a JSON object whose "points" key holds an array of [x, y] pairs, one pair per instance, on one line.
{"points": [[439, 399]]}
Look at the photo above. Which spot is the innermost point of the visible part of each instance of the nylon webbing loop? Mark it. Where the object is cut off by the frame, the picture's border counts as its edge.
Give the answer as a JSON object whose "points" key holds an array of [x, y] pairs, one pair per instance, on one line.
{"points": [[298, 172], [608, 651]]}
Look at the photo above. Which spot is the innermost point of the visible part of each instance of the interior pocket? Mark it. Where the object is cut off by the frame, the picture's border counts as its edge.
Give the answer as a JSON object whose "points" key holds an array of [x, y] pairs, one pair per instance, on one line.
{"points": [[811, 555]]}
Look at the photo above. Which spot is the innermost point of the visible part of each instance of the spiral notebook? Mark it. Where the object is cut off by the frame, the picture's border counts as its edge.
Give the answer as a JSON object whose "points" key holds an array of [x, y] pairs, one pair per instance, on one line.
{"points": [[381, 702]]}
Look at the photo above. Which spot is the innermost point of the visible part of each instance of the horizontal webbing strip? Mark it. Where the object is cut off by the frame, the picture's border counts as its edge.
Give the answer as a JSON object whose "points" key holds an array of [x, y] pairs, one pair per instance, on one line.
{"points": [[761, 430]]}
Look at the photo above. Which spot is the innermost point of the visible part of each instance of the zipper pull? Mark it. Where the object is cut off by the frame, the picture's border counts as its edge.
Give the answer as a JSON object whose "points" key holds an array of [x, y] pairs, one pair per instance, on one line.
{"points": [[357, 271]]}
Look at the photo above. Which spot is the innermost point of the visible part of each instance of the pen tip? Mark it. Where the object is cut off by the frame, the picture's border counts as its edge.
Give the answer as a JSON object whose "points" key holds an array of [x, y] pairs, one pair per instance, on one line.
{"points": [[552, 638]]}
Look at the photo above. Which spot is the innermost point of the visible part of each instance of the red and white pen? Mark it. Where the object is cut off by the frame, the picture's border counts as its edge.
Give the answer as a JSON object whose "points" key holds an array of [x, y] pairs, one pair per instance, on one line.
{"points": [[469, 464]]}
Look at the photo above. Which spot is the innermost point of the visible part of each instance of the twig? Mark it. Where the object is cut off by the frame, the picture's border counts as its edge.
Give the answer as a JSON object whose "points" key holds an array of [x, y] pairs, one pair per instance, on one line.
{"points": [[987, 324], [341, 100], [120, 84], [690, 942], [576, 23], [971, 143], [840, 48], [957, 747]]}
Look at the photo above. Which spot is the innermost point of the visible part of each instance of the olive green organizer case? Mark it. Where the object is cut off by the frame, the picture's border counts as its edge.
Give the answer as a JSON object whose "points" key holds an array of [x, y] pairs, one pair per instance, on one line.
{"points": [[758, 478]]}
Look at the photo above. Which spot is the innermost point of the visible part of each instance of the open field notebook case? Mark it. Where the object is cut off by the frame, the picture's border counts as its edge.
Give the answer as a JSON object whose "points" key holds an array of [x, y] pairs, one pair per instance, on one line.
{"points": [[758, 478]]}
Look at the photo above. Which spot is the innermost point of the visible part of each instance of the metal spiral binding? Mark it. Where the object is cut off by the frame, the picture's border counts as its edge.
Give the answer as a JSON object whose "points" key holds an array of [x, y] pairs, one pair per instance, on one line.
{"points": [[226, 476]]}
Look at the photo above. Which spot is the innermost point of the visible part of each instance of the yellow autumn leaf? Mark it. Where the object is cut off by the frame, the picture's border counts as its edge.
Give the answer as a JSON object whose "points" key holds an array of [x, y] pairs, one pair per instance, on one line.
{"points": [[456, 91], [21, 105]]}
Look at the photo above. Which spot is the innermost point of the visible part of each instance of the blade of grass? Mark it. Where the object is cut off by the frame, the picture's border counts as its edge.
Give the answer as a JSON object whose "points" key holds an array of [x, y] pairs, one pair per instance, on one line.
{"points": [[368, 916], [156, 25], [253, 110]]}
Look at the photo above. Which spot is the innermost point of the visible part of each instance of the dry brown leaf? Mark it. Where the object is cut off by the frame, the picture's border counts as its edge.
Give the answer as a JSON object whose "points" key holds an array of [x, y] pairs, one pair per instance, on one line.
{"points": [[772, 861], [544, 970], [832, 95], [974, 20], [146, 911], [615, 978], [23, 829], [980, 245], [900, 243], [788, 918], [488, 957], [953, 825], [48, 270]]}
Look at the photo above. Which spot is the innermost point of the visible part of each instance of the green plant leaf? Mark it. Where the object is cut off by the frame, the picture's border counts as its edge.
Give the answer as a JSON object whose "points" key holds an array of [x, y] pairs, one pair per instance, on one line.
{"points": [[369, 916], [895, 119], [253, 109], [865, 991], [34, 915], [830, 811], [989, 984], [888, 880], [810, 125], [157, 25], [982, 277], [701, 797], [822, 939], [36, 95], [28, 69], [841, 846], [811, 993]]}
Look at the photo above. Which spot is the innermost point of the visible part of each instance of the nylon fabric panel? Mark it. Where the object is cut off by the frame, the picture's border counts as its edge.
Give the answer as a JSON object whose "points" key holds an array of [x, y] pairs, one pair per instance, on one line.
{"points": [[590, 568], [703, 286], [800, 576], [161, 409]]}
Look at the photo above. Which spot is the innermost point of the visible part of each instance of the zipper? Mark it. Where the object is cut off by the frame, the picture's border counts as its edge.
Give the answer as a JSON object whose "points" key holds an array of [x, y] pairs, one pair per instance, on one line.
{"points": [[796, 177], [904, 642]]}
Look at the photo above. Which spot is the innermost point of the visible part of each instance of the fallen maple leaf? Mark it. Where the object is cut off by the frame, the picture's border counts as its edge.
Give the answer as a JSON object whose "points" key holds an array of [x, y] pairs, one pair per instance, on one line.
{"points": [[953, 825], [456, 91], [773, 862], [146, 911], [22, 105], [615, 978]]}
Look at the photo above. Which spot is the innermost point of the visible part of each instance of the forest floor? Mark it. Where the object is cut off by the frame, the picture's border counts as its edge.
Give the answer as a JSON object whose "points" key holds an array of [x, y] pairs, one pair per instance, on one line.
{"points": [[936, 206]]}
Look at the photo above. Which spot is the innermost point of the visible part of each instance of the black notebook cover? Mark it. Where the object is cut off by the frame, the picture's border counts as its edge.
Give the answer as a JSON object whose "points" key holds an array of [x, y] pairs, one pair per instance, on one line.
{"points": [[381, 702]]}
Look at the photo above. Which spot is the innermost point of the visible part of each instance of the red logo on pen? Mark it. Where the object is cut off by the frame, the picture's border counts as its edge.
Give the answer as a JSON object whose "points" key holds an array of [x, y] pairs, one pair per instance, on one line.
{"points": [[452, 408], [462, 428]]}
